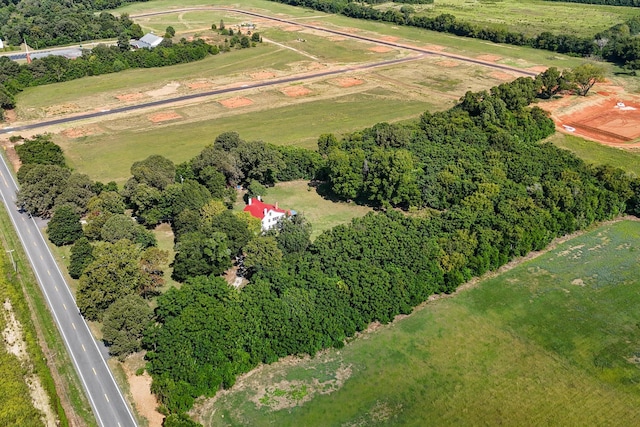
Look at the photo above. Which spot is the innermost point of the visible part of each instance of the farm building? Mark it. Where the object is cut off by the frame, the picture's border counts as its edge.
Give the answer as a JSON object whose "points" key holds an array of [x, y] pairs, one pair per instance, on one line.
{"points": [[148, 41], [268, 214]]}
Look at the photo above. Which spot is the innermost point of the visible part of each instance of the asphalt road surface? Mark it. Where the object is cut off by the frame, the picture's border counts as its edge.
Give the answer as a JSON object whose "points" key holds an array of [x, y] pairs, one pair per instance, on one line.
{"points": [[108, 403]]}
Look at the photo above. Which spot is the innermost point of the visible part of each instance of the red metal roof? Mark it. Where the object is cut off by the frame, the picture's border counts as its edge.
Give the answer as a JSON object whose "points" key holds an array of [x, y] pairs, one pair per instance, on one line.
{"points": [[256, 208]]}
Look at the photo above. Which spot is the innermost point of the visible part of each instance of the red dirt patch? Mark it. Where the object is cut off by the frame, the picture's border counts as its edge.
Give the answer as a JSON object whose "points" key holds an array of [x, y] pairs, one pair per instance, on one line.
{"points": [[447, 63], [539, 68], [292, 28], [130, 96], [294, 91], [380, 49], [200, 85], [262, 75], [163, 117], [336, 38], [389, 39], [489, 58], [349, 81], [10, 116], [501, 76], [80, 132], [609, 121], [236, 102]]}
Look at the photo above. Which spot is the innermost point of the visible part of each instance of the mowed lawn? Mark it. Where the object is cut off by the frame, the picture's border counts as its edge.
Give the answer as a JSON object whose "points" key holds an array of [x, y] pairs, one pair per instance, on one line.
{"points": [[554, 341], [323, 214]]}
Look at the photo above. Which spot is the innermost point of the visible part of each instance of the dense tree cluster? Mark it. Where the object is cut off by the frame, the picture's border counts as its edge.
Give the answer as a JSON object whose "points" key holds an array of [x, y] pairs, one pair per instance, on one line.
{"points": [[57, 22], [621, 46], [489, 189]]}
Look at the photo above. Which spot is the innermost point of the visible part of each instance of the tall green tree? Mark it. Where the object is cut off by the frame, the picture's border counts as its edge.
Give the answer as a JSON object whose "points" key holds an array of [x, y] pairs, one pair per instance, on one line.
{"points": [[113, 274], [124, 323], [585, 76], [40, 150], [81, 257], [199, 254], [40, 186], [64, 227]]}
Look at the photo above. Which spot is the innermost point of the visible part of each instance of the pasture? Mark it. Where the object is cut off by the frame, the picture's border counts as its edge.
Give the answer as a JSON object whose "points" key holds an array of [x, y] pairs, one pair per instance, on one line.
{"points": [[533, 16], [553, 341]]}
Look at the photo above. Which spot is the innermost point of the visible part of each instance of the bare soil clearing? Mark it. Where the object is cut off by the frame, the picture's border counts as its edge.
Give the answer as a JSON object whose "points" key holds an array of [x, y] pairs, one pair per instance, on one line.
{"points": [[348, 82], [140, 387], [501, 76], [448, 63], [82, 131], [489, 58], [128, 97], [262, 75], [163, 117], [608, 115], [236, 102], [294, 91]]}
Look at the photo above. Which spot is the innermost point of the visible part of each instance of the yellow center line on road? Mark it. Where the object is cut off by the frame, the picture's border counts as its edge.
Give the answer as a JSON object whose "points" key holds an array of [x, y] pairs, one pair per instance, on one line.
{"points": [[73, 324], [48, 272], [65, 306], [41, 258], [94, 371], [106, 397], [55, 287], [83, 349]]}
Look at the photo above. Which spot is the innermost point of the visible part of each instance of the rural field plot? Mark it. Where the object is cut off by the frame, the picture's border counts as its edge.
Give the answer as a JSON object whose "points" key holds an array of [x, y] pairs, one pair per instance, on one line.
{"points": [[553, 341], [531, 16]]}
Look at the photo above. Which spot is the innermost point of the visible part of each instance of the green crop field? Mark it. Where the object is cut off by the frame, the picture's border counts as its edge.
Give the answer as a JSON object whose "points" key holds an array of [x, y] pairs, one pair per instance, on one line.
{"points": [[553, 341]]}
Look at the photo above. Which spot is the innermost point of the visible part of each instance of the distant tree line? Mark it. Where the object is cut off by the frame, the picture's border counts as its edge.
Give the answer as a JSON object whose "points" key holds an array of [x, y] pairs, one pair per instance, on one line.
{"points": [[631, 3], [618, 44], [487, 188]]}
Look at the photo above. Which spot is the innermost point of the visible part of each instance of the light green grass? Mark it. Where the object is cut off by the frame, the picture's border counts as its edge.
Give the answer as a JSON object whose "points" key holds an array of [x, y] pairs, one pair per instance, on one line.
{"points": [[598, 154], [323, 214], [109, 157], [526, 348], [164, 235], [533, 16], [83, 91]]}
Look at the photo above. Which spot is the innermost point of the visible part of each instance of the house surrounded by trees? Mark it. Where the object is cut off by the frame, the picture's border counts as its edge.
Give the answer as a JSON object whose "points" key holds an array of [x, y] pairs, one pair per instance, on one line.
{"points": [[268, 214]]}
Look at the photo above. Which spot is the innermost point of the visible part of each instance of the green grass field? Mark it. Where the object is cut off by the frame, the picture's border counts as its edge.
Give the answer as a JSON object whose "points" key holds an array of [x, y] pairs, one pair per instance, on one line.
{"points": [[533, 16], [323, 214], [598, 154], [554, 341]]}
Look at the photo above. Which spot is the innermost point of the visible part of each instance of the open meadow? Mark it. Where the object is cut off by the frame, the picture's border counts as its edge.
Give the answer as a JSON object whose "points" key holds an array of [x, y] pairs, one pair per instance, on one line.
{"points": [[531, 16], [553, 341]]}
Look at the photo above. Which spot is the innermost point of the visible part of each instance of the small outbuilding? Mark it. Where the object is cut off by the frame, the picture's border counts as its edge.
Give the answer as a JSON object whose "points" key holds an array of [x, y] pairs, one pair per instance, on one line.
{"points": [[148, 41]]}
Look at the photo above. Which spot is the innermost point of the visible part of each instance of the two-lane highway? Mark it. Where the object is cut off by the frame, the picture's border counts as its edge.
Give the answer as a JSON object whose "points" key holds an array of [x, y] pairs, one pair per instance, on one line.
{"points": [[108, 403]]}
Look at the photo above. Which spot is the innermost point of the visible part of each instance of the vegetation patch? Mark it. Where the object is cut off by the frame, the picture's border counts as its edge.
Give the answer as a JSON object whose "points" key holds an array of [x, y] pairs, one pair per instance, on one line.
{"points": [[500, 351]]}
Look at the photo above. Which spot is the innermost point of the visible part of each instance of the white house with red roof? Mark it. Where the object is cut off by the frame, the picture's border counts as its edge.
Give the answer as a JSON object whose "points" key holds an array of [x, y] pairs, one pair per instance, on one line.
{"points": [[268, 214]]}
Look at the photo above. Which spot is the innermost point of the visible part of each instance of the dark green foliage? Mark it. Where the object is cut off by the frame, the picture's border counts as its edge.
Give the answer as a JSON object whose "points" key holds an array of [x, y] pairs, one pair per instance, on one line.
{"points": [[179, 420], [255, 189], [123, 324], [113, 274], [155, 170], [64, 227], [120, 226], [40, 186], [493, 191], [236, 230], [40, 150], [199, 254], [81, 257], [294, 234]]}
